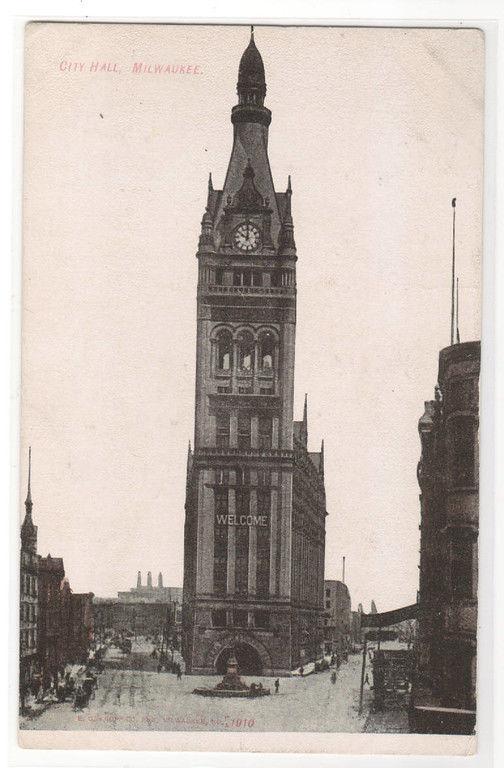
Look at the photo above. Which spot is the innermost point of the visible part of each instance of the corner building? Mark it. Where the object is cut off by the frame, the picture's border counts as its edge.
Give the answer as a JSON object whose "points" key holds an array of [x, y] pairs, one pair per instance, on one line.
{"points": [[255, 497], [443, 698]]}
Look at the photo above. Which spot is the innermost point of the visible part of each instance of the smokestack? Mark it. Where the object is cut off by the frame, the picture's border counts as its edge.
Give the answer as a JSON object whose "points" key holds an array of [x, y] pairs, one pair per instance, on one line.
{"points": [[149, 579], [343, 576], [139, 580], [160, 580]]}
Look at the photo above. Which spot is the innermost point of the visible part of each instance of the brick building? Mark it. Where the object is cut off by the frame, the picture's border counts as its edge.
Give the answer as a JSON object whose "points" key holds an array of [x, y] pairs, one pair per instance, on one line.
{"points": [[76, 623], [337, 617], [28, 598], [51, 651], [255, 497], [444, 692]]}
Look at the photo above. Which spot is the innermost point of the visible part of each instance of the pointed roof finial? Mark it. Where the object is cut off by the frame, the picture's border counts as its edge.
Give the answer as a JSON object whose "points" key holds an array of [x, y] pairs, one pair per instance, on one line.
{"points": [[251, 31], [28, 495], [305, 420], [210, 182], [289, 186]]}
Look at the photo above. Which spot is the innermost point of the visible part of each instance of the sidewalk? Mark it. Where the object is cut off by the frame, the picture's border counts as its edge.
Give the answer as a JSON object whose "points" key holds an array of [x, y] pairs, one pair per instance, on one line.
{"points": [[391, 720]]}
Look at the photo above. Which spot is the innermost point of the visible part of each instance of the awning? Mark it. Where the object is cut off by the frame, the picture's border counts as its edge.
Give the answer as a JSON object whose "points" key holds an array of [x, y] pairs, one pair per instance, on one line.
{"points": [[388, 618]]}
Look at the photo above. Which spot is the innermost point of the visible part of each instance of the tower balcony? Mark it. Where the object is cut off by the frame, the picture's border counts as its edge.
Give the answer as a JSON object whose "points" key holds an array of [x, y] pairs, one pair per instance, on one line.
{"points": [[247, 290], [227, 454]]}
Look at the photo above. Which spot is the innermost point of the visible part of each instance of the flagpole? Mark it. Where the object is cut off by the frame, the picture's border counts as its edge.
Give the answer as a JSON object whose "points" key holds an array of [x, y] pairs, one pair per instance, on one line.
{"points": [[454, 202], [457, 331]]}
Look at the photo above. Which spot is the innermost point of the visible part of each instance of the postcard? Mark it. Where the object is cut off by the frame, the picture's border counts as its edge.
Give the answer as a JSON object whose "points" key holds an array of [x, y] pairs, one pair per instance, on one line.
{"points": [[251, 310]]}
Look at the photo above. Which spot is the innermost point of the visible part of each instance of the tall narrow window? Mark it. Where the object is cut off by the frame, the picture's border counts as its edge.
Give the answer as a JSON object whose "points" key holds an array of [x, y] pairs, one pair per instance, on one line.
{"points": [[463, 446], [244, 427], [220, 539], [222, 427], [267, 347], [242, 539], [265, 431], [241, 562], [219, 276], [462, 568], [263, 541], [224, 351], [246, 351]]}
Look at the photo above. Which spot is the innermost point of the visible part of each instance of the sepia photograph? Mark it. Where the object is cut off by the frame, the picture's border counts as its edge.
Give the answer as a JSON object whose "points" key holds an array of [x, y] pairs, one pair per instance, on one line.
{"points": [[250, 375]]}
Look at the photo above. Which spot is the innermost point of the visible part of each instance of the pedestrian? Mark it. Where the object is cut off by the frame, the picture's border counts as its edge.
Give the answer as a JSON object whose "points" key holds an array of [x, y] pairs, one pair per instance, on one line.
{"points": [[179, 672], [366, 681], [277, 685], [301, 671], [333, 677]]}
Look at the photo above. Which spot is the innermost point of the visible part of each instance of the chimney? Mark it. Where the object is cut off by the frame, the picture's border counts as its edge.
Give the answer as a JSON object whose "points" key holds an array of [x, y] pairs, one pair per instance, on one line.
{"points": [[139, 580], [160, 580], [149, 579]]}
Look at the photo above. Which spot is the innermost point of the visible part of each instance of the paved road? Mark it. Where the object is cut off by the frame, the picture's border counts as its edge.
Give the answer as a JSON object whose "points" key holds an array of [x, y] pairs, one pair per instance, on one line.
{"points": [[140, 699]]}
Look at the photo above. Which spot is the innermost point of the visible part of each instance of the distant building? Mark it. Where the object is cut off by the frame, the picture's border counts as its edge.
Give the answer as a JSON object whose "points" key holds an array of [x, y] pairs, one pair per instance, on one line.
{"points": [[356, 627], [137, 618], [444, 691], [28, 603], [149, 593], [50, 649], [337, 617]]}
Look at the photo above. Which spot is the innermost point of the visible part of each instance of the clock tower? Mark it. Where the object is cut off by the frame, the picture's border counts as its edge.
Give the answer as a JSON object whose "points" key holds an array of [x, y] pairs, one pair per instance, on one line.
{"points": [[254, 554]]}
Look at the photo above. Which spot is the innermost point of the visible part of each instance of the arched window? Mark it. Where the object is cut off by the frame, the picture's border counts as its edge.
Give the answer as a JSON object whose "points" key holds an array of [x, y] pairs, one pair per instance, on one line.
{"points": [[224, 350], [246, 351], [266, 351]]}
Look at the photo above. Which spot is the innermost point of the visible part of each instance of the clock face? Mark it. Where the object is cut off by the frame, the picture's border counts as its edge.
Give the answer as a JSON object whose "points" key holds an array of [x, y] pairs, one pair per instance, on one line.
{"points": [[247, 237]]}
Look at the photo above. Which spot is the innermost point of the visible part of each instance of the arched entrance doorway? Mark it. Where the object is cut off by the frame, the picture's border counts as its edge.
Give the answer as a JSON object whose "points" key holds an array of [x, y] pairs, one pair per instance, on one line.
{"points": [[249, 661]]}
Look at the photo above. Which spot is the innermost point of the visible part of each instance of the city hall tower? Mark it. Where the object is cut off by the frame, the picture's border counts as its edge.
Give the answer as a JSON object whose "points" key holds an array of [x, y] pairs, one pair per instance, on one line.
{"points": [[255, 498]]}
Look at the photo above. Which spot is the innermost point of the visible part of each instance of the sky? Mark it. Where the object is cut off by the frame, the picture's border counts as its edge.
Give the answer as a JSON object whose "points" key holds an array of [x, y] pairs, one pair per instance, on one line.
{"points": [[379, 130]]}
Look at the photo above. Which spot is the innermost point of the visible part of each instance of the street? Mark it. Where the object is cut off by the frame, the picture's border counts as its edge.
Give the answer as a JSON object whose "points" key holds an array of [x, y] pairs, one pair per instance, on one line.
{"points": [[142, 699]]}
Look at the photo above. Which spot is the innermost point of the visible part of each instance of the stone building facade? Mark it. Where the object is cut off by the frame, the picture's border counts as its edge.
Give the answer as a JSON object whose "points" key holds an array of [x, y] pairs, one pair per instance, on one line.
{"points": [[445, 648], [255, 497], [337, 617], [51, 648], [28, 598]]}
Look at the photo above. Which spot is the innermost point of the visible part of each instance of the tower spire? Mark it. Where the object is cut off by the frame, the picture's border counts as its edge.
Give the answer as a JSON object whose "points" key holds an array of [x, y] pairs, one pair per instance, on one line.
{"points": [[251, 87], [28, 529], [28, 502]]}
